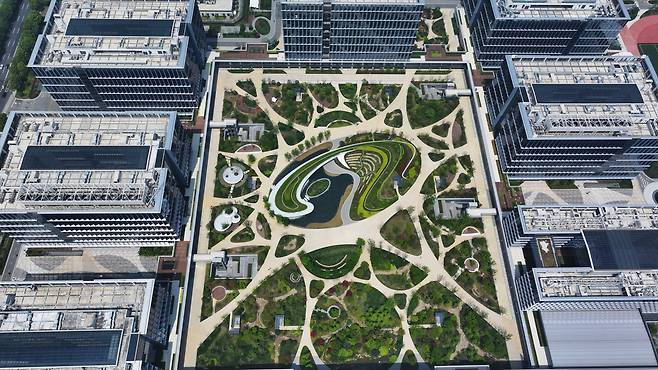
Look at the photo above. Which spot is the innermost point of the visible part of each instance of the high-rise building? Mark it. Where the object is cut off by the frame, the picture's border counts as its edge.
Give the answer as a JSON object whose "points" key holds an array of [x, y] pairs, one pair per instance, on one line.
{"points": [[554, 27], [73, 324], [350, 30], [574, 117], [116, 55], [71, 179]]}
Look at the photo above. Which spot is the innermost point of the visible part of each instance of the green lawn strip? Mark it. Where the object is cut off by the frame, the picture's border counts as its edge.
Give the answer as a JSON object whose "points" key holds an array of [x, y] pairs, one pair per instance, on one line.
{"points": [[336, 115], [295, 241], [306, 360], [441, 129], [430, 232], [332, 262], [399, 230], [315, 288], [423, 112], [480, 333]]}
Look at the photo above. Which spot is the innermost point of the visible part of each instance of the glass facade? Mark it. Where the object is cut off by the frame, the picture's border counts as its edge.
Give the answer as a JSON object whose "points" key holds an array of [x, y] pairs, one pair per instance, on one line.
{"points": [[315, 30]]}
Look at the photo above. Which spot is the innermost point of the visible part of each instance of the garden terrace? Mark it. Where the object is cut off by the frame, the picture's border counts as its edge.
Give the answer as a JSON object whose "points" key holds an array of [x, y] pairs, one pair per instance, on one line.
{"points": [[257, 341], [423, 112], [332, 262], [290, 100]]}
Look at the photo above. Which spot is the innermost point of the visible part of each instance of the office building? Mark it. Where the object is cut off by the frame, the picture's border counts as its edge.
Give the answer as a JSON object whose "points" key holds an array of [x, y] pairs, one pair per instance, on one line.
{"points": [[116, 55], [592, 305], [350, 30], [71, 179], [553, 27], [108, 324], [574, 117]]}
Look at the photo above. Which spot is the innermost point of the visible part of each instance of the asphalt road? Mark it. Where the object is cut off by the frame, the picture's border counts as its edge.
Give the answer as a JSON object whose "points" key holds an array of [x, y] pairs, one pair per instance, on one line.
{"points": [[10, 48]]}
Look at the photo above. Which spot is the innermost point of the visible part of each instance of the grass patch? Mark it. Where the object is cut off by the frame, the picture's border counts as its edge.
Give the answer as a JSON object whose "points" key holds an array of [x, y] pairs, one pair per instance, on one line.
{"points": [[400, 300], [363, 272], [331, 262], [561, 184], [143, 251], [336, 116], [430, 232], [266, 164], [262, 26], [394, 271], [441, 129], [348, 90], [265, 230], [434, 143], [289, 244], [315, 288], [399, 230], [291, 135], [244, 235]]}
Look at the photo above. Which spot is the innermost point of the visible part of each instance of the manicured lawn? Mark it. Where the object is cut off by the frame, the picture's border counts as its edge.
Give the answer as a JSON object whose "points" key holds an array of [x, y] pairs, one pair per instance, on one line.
{"points": [[399, 230], [244, 235], [423, 112], [315, 288], [393, 271], [363, 272], [441, 130], [318, 187], [331, 262]]}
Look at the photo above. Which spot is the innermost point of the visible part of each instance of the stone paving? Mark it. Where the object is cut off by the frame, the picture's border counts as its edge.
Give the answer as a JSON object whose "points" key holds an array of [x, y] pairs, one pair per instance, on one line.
{"points": [[368, 229]]}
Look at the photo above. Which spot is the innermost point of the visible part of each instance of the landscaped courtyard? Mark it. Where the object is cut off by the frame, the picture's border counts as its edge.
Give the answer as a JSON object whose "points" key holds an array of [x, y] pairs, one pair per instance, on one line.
{"points": [[335, 197]]}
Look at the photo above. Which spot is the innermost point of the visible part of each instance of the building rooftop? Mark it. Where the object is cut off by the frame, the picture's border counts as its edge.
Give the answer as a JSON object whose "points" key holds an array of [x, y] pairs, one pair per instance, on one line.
{"points": [[587, 96], [113, 32], [80, 161], [569, 283], [568, 9], [72, 323], [597, 339], [572, 219]]}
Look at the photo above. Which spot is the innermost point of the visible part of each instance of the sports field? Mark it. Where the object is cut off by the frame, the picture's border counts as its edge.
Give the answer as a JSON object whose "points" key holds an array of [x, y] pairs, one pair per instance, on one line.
{"points": [[650, 50]]}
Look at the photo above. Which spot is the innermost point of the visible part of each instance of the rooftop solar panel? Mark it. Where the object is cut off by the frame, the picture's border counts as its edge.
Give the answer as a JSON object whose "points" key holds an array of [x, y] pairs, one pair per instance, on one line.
{"points": [[587, 93], [57, 158], [622, 249], [119, 27], [59, 348]]}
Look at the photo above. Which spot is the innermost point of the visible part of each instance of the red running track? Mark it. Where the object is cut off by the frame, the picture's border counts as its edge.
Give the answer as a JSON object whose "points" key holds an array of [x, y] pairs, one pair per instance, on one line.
{"points": [[644, 31]]}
